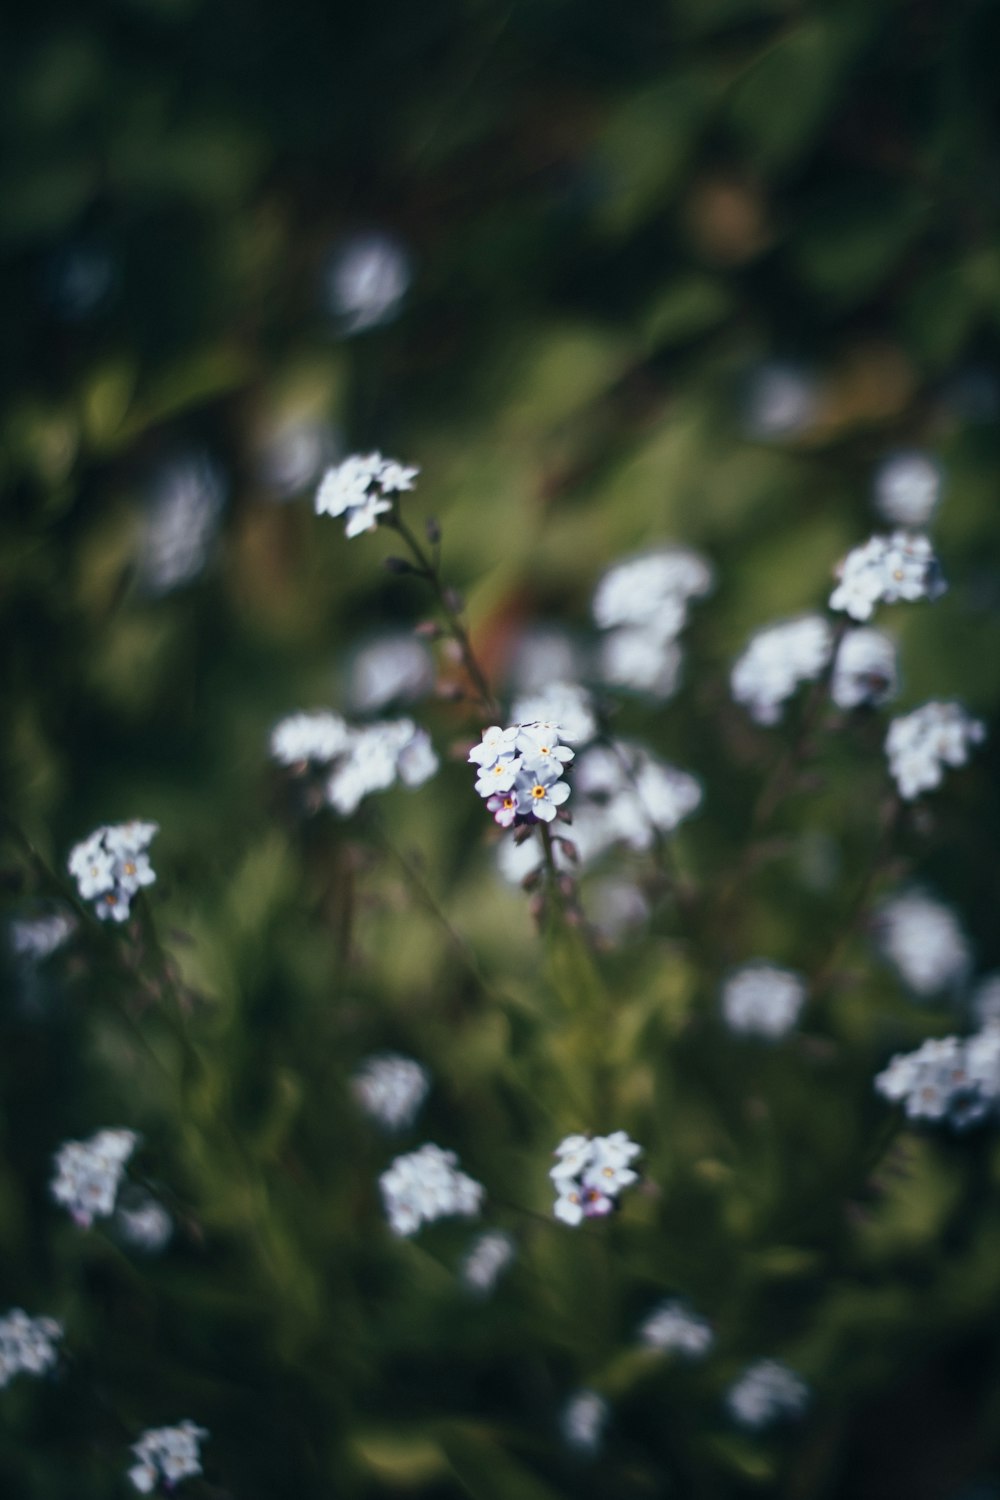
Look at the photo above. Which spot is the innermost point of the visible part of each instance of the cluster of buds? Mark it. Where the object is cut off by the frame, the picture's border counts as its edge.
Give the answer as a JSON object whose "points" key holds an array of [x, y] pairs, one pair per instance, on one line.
{"points": [[521, 772], [590, 1173]]}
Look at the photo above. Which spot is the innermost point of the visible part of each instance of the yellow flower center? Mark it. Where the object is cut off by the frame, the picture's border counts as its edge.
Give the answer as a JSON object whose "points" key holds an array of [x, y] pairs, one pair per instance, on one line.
{"points": [[537, 791]]}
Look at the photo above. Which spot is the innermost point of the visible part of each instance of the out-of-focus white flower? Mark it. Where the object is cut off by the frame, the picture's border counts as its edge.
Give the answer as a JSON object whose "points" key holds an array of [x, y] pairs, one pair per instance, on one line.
{"points": [[376, 755], [616, 908], [563, 703], [589, 1174], [367, 278], [864, 672], [761, 999], [544, 658], [142, 1221], [426, 1185], [27, 1345], [775, 663], [166, 1455], [314, 738], [642, 590], [391, 1088], [625, 795], [292, 453], [583, 1420], [486, 1260], [362, 488], [884, 570], [640, 659], [673, 1328], [922, 743], [985, 1002], [37, 938], [781, 400], [394, 669], [179, 521], [766, 1393], [908, 489], [922, 939], [947, 1080], [88, 1174], [111, 865]]}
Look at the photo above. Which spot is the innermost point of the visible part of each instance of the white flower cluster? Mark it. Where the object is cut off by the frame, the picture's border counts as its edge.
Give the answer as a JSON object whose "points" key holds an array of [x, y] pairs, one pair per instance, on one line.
{"points": [[922, 743], [362, 488], [358, 760], [425, 1185], [628, 796], [777, 660], [643, 604], [908, 489], [865, 670], [590, 1173], [673, 1328], [88, 1174], [884, 570], [564, 703], [166, 1455], [391, 1088], [27, 1345], [761, 999], [112, 865], [583, 1420], [37, 938], [922, 938], [521, 772], [767, 1392], [949, 1080], [485, 1262]]}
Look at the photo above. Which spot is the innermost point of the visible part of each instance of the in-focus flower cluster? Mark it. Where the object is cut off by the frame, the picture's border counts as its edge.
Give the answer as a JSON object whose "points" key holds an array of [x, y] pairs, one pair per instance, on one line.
{"points": [[89, 1173], [673, 1328], [948, 1080], [362, 488], [485, 1262], [391, 1088], [590, 1173], [520, 775], [761, 999], [922, 743], [426, 1185], [111, 865], [766, 1393], [166, 1455], [27, 1345], [642, 604], [354, 760], [884, 570], [923, 940]]}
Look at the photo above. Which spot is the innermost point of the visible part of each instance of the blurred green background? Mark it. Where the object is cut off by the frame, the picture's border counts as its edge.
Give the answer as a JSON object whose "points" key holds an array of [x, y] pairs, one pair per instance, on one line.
{"points": [[682, 271]]}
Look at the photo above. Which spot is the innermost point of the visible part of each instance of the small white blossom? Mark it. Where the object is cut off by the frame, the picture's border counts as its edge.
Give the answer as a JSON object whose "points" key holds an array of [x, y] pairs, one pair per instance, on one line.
{"points": [[922, 938], [179, 523], [394, 669], [908, 489], [761, 999], [628, 796], [111, 865], [886, 569], [426, 1185], [781, 400], [864, 672], [143, 1222], [589, 1174], [563, 703], [166, 1455], [641, 660], [653, 588], [922, 743], [545, 657], [583, 1420], [391, 1088], [88, 1174], [361, 489], [486, 1260], [777, 661], [766, 1393], [27, 1345], [366, 280], [673, 1328], [947, 1080], [375, 757], [292, 451], [314, 738]]}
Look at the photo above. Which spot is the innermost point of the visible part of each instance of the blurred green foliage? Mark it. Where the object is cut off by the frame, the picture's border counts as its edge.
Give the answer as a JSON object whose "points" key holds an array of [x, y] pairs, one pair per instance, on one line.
{"points": [[616, 217]]}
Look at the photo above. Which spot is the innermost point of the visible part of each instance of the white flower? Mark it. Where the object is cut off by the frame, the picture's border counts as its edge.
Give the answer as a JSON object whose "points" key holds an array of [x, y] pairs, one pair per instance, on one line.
{"points": [[673, 1328], [27, 1345], [292, 450], [426, 1185], [628, 797], [922, 743], [167, 1455], [179, 523], [393, 669], [589, 1174], [361, 489], [391, 1088], [761, 999], [563, 703], [496, 744], [767, 1392], [375, 757], [947, 1080], [486, 1260], [781, 401], [545, 658], [111, 865], [884, 570], [143, 1222], [366, 280], [775, 663], [865, 670], [652, 589], [37, 938], [908, 489], [583, 1420], [640, 659], [922, 938], [316, 738], [608, 1168], [88, 1174]]}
